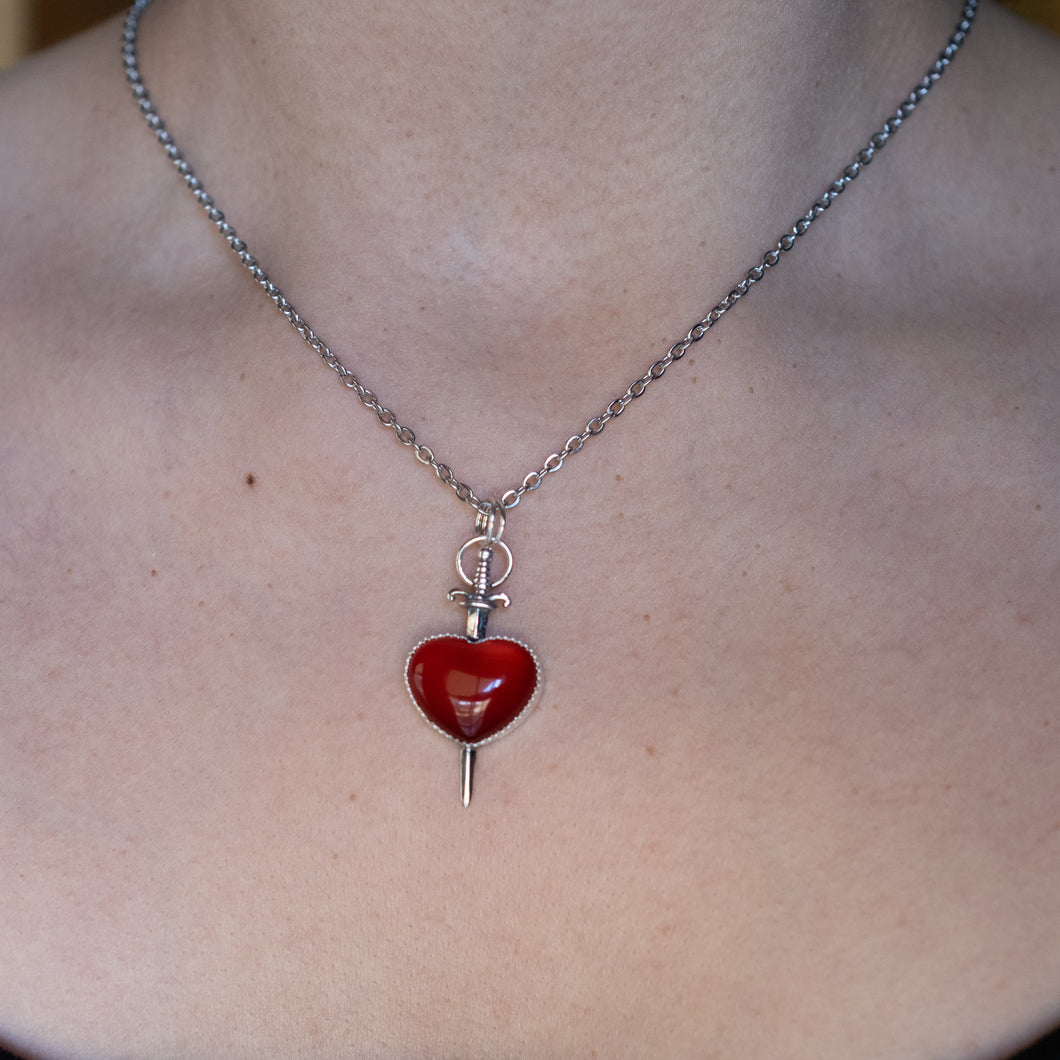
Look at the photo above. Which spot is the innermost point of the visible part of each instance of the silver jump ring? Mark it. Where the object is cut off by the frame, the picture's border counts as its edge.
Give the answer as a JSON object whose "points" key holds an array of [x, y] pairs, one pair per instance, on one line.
{"points": [[483, 542]]}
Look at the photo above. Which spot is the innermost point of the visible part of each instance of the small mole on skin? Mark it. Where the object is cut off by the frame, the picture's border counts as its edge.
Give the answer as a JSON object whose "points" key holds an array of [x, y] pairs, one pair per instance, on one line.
{"points": [[154, 574], [353, 796], [618, 478], [250, 479], [1037, 507], [647, 618], [242, 377], [650, 750]]}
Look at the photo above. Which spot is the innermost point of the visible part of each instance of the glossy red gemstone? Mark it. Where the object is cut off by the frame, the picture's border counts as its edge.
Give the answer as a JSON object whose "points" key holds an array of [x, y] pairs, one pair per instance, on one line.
{"points": [[471, 690]]}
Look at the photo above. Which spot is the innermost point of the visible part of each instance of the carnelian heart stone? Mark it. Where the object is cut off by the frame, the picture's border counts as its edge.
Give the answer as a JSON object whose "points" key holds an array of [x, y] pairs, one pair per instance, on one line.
{"points": [[471, 690]]}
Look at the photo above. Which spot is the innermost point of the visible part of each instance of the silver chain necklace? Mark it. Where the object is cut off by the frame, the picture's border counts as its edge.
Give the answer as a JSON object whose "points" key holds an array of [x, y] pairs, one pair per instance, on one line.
{"points": [[474, 688]]}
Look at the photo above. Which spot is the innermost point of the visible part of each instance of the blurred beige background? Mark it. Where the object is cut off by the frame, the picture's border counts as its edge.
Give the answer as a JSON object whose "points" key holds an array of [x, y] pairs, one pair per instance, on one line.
{"points": [[26, 25]]}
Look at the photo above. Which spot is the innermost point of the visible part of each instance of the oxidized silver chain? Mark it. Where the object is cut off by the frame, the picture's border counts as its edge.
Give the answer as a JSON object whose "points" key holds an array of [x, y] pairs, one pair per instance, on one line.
{"points": [[574, 444], [475, 688]]}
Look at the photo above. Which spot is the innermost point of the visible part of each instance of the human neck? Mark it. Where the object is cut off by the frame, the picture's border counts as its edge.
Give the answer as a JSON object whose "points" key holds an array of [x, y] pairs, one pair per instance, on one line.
{"points": [[531, 90], [512, 179]]}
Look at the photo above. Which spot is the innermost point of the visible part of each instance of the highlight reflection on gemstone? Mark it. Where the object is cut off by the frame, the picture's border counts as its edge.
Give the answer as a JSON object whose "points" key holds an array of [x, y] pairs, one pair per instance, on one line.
{"points": [[471, 690]]}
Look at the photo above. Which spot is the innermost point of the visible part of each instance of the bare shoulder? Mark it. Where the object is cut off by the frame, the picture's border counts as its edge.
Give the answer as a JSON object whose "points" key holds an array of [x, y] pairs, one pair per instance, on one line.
{"points": [[94, 274], [63, 124], [1007, 149], [967, 268], [995, 234], [1017, 68], [72, 209], [985, 195], [72, 202], [80, 203], [93, 267], [1022, 60]]}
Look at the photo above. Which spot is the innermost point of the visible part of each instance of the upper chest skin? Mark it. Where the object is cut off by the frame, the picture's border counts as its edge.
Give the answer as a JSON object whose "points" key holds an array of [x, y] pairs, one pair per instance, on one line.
{"points": [[794, 753]]}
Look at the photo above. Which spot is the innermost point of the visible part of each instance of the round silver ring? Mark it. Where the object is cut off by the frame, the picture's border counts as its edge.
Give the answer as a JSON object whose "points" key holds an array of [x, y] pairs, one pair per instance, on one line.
{"points": [[480, 541]]}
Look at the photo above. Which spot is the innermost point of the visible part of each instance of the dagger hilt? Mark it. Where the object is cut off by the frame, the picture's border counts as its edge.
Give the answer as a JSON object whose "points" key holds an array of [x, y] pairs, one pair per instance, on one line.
{"points": [[479, 599]]}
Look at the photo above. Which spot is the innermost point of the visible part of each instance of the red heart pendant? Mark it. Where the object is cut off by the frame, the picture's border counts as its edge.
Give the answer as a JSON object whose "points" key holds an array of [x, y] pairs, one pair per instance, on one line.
{"points": [[471, 691]]}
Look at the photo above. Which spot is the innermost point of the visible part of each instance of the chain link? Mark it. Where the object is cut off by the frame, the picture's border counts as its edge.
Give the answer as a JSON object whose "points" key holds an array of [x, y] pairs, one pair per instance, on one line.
{"points": [[405, 435]]}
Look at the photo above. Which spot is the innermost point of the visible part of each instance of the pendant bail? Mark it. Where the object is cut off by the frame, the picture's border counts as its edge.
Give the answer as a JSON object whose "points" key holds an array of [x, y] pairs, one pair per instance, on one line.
{"points": [[490, 521]]}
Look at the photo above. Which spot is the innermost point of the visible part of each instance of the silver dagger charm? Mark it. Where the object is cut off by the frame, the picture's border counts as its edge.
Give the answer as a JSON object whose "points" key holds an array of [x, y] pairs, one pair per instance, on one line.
{"points": [[474, 688]]}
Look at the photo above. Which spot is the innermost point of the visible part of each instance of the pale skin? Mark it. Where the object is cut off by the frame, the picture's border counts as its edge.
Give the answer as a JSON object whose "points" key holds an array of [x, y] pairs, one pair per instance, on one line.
{"points": [[791, 789]]}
